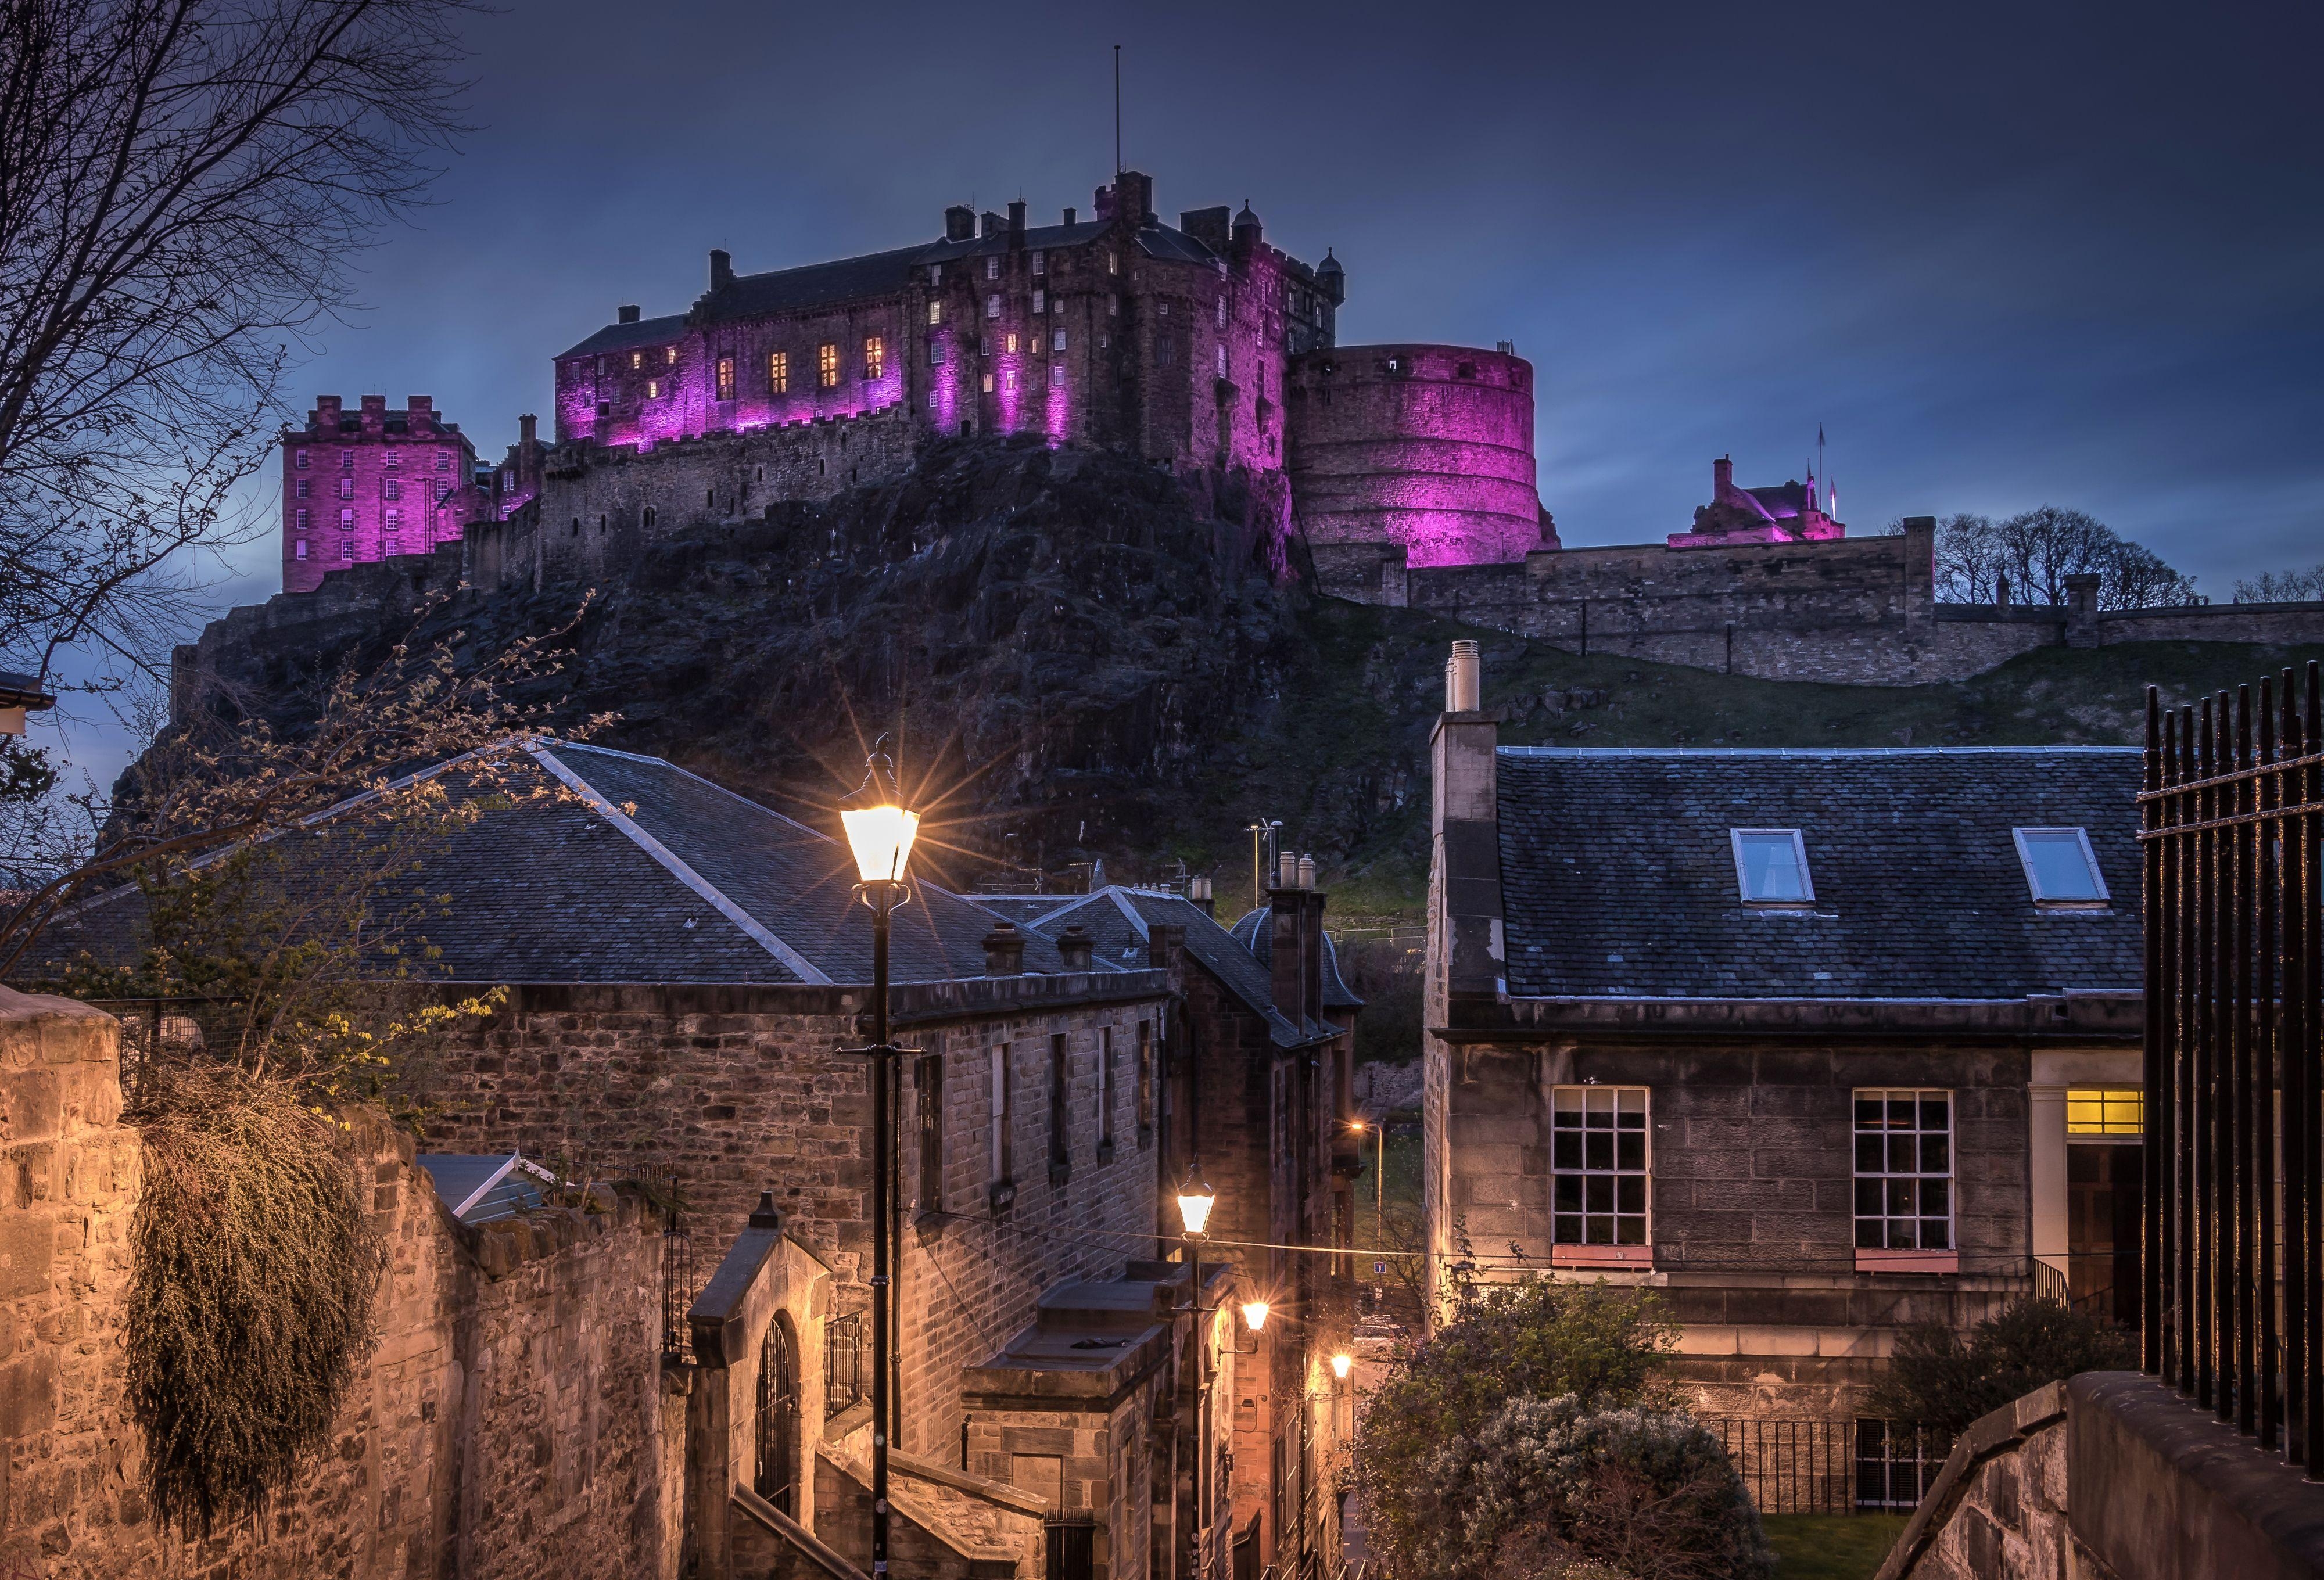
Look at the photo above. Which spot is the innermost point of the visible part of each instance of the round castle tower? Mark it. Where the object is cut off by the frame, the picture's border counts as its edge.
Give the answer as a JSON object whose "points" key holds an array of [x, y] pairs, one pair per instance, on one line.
{"points": [[1426, 448]]}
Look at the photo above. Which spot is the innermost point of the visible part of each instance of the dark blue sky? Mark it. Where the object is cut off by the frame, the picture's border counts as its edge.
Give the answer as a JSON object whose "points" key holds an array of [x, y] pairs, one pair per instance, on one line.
{"points": [[2006, 255]]}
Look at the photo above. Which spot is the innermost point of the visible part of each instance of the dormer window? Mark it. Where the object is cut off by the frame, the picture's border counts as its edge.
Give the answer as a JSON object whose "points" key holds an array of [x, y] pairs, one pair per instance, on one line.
{"points": [[2060, 868], [1771, 865]]}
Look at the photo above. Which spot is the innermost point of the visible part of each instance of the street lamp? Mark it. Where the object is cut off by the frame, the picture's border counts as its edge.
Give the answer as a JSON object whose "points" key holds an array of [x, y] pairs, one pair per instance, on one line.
{"points": [[880, 833], [1254, 1314], [1340, 1364], [1195, 1200]]}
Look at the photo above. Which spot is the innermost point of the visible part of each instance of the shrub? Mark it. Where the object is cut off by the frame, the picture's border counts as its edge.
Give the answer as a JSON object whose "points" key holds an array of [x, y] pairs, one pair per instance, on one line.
{"points": [[253, 1274], [1938, 1380], [1551, 1487], [1536, 1339]]}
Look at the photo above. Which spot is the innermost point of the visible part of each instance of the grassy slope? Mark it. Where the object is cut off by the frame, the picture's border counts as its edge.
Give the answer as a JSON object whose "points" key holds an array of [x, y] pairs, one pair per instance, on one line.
{"points": [[1831, 1546]]}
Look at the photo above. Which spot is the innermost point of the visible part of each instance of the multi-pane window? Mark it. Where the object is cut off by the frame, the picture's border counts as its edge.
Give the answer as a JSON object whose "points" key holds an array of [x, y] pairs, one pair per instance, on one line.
{"points": [[875, 356], [1165, 351], [778, 372], [2059, 868], [826, 365], [637, 361], [1222, 312], [393, 458], [1598, 1166], [1056, 340], [1056, 375], [725, 378], [301, 462], [936, 275], [1771, 866], [305, 487], [1113, 307], [391, 488], [1041, 301], [992, 305], [936, 353], [1113, 262], [347, 460], [394, 520], [653, 389], [1012, 345], [348, 549], [993, 268], [988, 383], [1903, 1171], [443, 460], [300, 548], [346, 487], [347, 520], [1040, 265], [1105, 1086], [670, 356], [1145, 1074], [1223, 362], [1009, 379], [935, 312], [2110, 1111], [1004, 1157], [1060, 1130], [305, 516]]}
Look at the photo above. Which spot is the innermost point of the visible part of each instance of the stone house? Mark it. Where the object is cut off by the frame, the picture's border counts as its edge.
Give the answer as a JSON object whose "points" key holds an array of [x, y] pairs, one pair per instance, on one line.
{"points": [[1816, 1043], [1256, 1104], [680, 968]]}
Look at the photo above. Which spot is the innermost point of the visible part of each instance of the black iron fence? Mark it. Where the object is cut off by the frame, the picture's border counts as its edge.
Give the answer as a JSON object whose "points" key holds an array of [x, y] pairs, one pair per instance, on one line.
{"points": [[2231, 1311], [677, 1282], [1814, 1465]]}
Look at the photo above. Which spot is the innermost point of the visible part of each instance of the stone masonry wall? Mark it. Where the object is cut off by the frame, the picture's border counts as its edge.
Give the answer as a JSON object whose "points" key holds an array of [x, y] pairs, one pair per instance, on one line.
{"points": [[510, 1423], [730, 1101], [1751, 1196]]}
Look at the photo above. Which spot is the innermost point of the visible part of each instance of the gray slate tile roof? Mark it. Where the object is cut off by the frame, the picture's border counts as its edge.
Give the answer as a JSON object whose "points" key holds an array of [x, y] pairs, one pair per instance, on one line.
{"points": [[1119, 921], [1618, 875], [623, 336], [1256, 934], [683, 882]]}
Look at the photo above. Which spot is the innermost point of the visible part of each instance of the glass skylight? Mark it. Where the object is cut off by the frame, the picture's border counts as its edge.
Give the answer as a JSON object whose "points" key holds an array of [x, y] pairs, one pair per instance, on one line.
{"points": [[2060, 868], [1771, 865]]}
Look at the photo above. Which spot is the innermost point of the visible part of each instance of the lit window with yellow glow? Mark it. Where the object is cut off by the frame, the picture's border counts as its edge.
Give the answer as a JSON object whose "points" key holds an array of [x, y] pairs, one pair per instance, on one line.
{"points": [[2105, 1111], [778, 372], [826, 366], [875, 356], [725, 378]]}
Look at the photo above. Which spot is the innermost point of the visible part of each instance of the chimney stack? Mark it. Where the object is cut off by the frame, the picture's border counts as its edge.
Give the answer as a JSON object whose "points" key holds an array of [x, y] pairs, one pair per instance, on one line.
{"points": [[990, 225], [1464, 679], [326, 413], [1004, 950], [1069, 214], [1723, 475], [721, 269], [1017, 222], [375, 413], [420, 412], [625, 314], [1074, 946], [960, 223]]}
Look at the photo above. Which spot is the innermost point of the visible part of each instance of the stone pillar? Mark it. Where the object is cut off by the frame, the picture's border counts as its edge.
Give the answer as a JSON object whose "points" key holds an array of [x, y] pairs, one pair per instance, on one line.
{"points": [[2081, 611], [1920, 574], [2045, 1116]]}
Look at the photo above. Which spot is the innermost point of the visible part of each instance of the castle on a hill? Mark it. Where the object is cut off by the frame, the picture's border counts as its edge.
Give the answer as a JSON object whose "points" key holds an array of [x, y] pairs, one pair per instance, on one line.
{"points": [[1403, 474]]}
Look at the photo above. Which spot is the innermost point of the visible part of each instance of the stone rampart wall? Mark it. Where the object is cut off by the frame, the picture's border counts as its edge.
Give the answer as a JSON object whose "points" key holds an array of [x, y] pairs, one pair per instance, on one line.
{"points": [[511, 1422]]}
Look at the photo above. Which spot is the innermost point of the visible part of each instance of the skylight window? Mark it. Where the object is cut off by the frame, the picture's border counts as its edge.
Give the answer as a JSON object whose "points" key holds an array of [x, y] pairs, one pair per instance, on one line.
{"points": [[1771, 865], [2060, 868]]}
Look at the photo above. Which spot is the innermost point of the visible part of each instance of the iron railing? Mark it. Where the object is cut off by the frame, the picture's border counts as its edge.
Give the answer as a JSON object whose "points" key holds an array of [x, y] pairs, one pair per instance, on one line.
{"points": [[2231, 1311], [677, 1282], [1816, 1465]]}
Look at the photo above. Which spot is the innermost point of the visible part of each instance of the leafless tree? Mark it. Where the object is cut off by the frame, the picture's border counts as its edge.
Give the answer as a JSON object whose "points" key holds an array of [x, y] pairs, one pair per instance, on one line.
{"points": [[183, 187], [2304, 586], [2026, 559]]}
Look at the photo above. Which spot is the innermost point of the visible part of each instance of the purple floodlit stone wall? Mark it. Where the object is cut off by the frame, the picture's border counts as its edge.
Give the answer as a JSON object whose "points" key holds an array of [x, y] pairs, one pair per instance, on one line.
{"points": [[1426, 446], [598, 504], [375, 484]]}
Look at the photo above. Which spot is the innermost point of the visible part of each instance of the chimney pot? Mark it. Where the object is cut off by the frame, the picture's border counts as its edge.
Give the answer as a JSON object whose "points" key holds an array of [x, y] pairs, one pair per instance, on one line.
{"points": [[628, 315], [1069, 214], [1287, 871], [1074, 946], [1307, 872], [1004, 950], [1464, 679]]}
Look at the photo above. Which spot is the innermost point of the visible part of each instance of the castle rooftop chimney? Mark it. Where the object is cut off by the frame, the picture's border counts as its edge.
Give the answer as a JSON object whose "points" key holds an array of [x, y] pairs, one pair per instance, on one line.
{"points": [[1017, 222], [960, 223], [1723, 475], [721, 269], [1075, 947], [375, 413], [1069, 214], [420, 411], [625, 314], [991, 224], [1004, 950], [524, 427]]}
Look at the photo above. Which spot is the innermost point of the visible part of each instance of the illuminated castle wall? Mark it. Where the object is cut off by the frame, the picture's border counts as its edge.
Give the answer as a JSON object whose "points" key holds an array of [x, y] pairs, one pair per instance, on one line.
{"points": [[363, 485], [1429, 447]]}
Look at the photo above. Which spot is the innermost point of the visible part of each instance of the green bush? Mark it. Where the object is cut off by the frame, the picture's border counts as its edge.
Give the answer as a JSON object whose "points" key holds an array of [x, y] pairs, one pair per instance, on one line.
{"points": [[1551, 1487], [1938, 1379], [1537, 1340]]}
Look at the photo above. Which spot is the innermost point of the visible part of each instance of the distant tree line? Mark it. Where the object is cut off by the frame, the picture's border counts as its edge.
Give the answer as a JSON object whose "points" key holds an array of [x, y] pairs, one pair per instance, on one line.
{"points": [[2282, 586], [2027, 557]]}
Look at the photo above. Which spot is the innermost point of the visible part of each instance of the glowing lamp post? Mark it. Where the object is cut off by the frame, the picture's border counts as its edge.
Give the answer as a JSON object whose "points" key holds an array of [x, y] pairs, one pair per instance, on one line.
{"points": [[1254, 1315], [1341, 1364], [880, 833]]}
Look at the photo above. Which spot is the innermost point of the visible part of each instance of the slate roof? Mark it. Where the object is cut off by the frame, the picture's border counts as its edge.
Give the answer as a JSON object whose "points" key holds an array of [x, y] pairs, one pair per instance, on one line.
{"points": [[872, 274], [1250, 930], [1119, 921], [646, 873], [1025, 909], [1618, 875], [622, 336]]}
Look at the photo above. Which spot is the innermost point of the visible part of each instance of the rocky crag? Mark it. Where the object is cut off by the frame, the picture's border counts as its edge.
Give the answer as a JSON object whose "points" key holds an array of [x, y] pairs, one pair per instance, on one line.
{"points": [[1075, 660]]}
